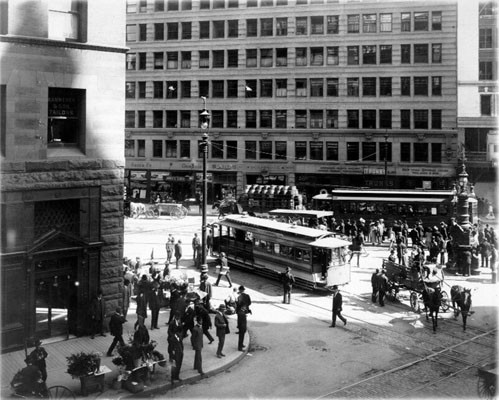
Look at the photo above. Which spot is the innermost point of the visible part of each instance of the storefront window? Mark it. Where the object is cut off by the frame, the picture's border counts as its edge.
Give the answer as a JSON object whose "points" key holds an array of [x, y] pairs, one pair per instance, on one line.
{"points": [[66, 116]]}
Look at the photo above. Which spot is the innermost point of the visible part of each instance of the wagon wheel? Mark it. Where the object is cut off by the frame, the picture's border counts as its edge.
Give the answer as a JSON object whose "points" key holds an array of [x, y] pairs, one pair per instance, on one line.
{"points": [[60, 392], [414, 301], [444, 302], [486, 387], [184, 211], [176, 213]]}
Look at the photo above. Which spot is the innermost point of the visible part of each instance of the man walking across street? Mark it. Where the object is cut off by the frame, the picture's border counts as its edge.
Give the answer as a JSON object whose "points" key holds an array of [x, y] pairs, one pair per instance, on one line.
{"points": [[222, 326], [242, 309], [178, 253], [287, 284], [197, 344], [224, 269], [196, 245], [170, 246], [337, 307], [116, 330], [382, 287]]}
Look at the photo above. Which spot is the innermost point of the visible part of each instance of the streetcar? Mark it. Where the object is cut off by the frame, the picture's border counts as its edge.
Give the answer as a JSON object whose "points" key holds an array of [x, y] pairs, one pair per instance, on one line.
{"points": [[411, 205], [309, 218], [266, 247]]}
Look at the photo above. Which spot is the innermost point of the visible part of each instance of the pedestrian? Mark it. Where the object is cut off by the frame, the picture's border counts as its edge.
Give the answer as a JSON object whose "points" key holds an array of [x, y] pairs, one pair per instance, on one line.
{"points": [[154, 304], [242, 309], [178, 253], [209, 242], [141, 334], [231, 301], [176, 346], [382, 287], [166, 270], [337, 307], [205, 286], [197, 344], [97, 314], [37, 358], [224, 269], [170, 246], [203, 314], [392, 257], [356, 246], [374, 285], [116, 330], [288, 280], [127, 295], [196, 246], [485, 251], [222, 326]]}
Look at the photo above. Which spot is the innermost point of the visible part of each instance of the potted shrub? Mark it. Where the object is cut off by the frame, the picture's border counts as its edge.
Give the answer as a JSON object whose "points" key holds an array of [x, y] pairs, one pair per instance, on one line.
{"points": [[84, 366]]}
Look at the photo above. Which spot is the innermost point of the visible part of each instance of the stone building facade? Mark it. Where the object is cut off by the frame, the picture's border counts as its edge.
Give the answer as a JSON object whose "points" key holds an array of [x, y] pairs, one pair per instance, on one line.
{"points": [[62, 164]]}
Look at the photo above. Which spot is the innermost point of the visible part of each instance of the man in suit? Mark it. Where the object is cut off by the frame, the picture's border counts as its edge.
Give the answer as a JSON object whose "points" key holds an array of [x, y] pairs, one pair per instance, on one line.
{"points": [[382, 287], [197, 344], [337, 307], [374, 285], [178, 253], [242, 309], [222, 325], [224, 269], [97, 314], [116, 329], [287, 284], [176, 346]]}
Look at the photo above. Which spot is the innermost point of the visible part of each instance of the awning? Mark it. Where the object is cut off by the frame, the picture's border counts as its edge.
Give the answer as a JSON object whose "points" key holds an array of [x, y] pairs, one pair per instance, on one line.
{"points": [[386, 199], [330, 243]]}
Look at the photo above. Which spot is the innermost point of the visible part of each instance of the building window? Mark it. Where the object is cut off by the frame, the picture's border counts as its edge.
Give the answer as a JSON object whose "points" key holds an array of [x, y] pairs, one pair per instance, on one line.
{"points": [[385, 86], [217, 119], [171, 149], [171, 118], [436, 86], [301, 119], [317, 25], [218, 4], [172, 5], [218, 59], [266, 57], [420, 86], [385, 151], [266, 88], [421, 152], [405, 86], [233, 28], [485, 38], [266, 150], [141, 148], [352, 151], [186, 5], [185, 119], [159, 5], [266, 119], [158, 60], [250, 150], [436, 20], [281, 87], [157, 149], [65, 21], [130, 90], [436, 119], [281, 57], [218, 29], [266, 3], [385, 119], [369, 119], [131, 61], [368, 54], [281, 2], [204, 29], [385, 54], [436, 53], [333, 24], [301, 56], [281, 26], [218, 89], [158, 89], [369, 23], [186, 30], [157, 119], [204, 59], [353, 87], [300, 150], [485, 71], [353, 55], [420, 119], [420, 21], [251, 28], [172, 60], [332, 151], [436, 152], [172, 30], [368, 151], [204, 4], [316, 119], [141, 119], [405, 23], [332, 87], [204, 88], [353, 23], [171, 89], [129, 148], [159, 31], [142, 32], [232, 88], [352, 118], [250, 88], [405, 152], [131, 6], [333, 56], [129, 119], [142, 90], [186, 59], [232, 119], [421, 53], [231, 147], [251, 61], [142, 60], [385, 22], [316, 56], [266, 27], [405, 53], [131, 33], [301, 26], [368, 86], [405, 119], [281, 119], [185, 87], [486, 105], [185, 149], [250, 119], [316, 150], [331, 119], [281, 150], [301, 87]]}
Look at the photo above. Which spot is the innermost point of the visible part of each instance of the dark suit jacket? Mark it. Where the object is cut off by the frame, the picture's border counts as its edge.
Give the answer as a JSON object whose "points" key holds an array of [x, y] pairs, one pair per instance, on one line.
{"points": [[222, 324], [197, 337], [337, 302], [116, 324]]}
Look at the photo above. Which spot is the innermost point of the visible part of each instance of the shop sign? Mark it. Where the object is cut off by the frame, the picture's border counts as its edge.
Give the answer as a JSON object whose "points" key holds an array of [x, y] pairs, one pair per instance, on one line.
{"points": [[374, 171], [63, 106], [140, 165], [141, 176], [426, 171], [341, 169], [226, 167]]}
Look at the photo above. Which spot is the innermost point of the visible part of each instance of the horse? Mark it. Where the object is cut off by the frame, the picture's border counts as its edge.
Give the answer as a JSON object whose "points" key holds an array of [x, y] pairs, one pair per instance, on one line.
{"points": [[137, 209], [432, 298], [461, 302]]}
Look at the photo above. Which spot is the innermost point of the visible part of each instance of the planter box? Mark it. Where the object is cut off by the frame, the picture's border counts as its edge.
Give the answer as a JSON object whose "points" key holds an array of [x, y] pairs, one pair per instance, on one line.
{"points": [[92, 383]]}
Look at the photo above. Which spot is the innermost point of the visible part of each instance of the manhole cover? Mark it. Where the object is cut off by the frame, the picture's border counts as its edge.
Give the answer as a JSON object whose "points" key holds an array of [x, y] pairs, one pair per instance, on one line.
{"points": [[257, 348]]}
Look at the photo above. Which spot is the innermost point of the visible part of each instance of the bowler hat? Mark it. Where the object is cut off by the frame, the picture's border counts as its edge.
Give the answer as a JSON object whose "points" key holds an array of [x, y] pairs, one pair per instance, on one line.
{"points": [[241, 288], [335, 287], [221, 307]]}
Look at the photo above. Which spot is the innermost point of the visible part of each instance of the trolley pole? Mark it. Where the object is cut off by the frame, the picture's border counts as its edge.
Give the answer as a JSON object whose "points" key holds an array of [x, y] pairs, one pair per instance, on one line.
{"points": [[204, 124]]}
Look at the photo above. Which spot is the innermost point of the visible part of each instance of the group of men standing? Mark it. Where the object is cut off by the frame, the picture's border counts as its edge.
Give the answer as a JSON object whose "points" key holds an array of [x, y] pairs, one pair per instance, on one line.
{"points": [[379, 283]]}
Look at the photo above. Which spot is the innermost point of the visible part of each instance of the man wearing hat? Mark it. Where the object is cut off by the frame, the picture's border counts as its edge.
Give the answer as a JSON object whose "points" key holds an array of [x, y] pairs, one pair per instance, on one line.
{"points": [[197, 344], [242, 308], [222, 325], [337, 307], [116, 330], [37, 358], [287, 284], [224, 269], [382, 287], [205, 286]]}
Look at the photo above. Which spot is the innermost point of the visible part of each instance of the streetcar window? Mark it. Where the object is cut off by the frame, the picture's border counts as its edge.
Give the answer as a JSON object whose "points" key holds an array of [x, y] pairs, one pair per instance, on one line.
{"points": [[434, 211], [298, 254], [269, 247], [443, 209], [257, 242], [263, 244], [276, 248], [306, 255]]}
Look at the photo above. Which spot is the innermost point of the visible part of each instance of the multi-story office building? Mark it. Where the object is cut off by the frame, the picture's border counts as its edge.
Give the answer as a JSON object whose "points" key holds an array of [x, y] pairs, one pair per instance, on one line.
{"points": [[61, 105], [311, 93]]}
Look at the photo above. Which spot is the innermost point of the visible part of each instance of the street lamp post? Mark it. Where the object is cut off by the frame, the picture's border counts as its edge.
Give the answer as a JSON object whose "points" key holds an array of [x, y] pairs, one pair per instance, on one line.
{"points": [[205, 124], [386, 160]]}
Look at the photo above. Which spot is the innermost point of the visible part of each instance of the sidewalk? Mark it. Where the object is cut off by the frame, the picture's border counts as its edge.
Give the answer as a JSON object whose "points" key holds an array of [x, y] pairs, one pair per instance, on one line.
{"points": [[58, 350]]}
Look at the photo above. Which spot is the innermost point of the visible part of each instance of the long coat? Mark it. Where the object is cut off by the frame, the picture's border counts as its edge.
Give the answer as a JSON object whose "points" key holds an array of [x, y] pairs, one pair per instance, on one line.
{"points": [[197, 337], [337, 302], [222, 324]]}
